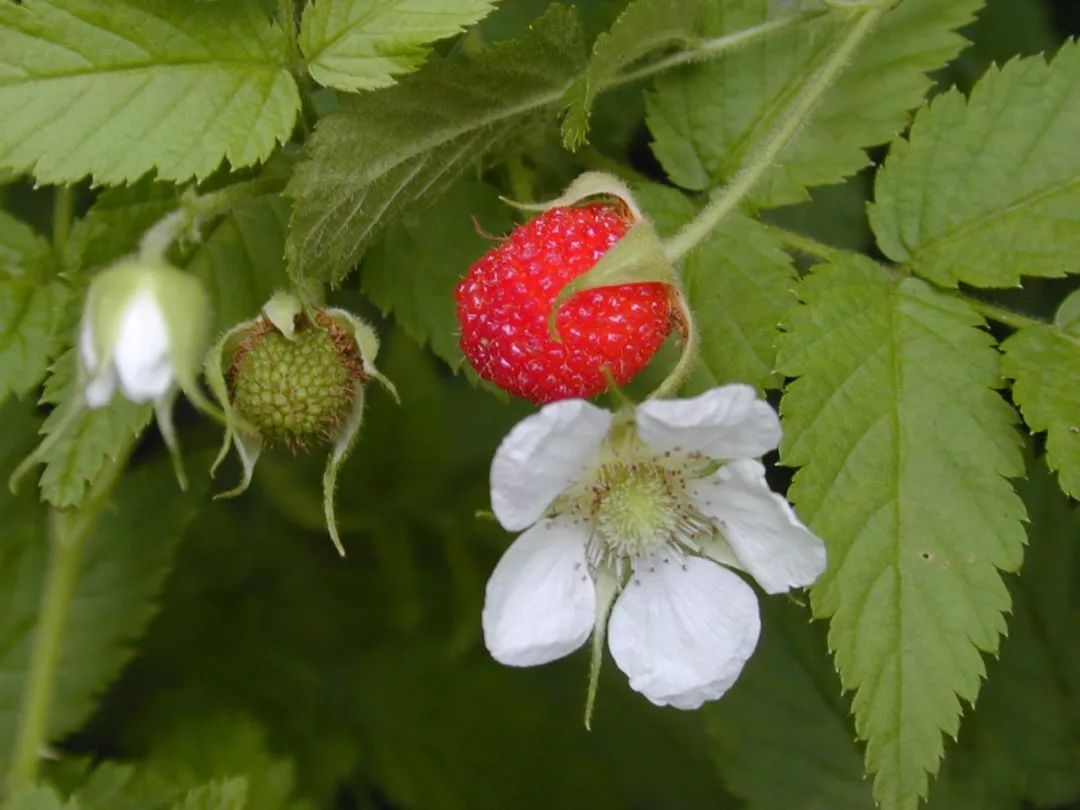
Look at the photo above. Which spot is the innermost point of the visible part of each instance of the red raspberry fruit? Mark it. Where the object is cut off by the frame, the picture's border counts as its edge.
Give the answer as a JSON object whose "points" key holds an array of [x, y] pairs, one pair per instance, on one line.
{"points": [[504, 302]]}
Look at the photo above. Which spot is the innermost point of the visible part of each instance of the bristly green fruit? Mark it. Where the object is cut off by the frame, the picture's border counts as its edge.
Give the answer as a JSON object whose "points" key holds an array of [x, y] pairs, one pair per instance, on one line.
{"points": [[300, 391]]}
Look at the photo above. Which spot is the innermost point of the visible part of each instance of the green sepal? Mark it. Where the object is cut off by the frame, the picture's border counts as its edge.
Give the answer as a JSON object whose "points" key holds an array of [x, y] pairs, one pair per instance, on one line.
{"points": [[163, 413], [282, 310], [342, 447], [367, 341], [246, 440], [607, 586], [589, 184], [637, 258]]}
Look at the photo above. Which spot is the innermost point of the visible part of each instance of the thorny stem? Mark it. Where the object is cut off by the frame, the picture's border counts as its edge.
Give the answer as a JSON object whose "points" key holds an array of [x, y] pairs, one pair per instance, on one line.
{"points": [[68, 531], [765, 156], [195, 210]]}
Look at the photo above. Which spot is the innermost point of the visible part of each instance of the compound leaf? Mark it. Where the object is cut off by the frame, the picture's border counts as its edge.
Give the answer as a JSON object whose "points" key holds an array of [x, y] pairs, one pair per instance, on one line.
{"points": [[406, 145], [988, 189], [29, 307], [363, 44], [644, 27], [705, 120], [87, 442], [905, 450], [1045, 363], [116, 88]]}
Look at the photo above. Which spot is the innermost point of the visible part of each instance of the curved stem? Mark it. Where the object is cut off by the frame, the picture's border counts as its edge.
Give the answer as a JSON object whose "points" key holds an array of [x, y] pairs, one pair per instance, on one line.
{"points": [[196, 209], [673, 382], [804, 244], [67, 532], [714, 47], [765, 156]]}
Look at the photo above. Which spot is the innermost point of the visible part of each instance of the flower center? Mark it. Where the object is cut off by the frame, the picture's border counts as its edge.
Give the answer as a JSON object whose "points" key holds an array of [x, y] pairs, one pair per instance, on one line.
{"points": [[638, 509]]}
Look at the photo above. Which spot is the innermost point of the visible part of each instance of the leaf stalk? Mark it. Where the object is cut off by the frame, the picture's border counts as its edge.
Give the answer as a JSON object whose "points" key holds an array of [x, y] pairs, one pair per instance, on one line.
{"points": [[765, 156]]}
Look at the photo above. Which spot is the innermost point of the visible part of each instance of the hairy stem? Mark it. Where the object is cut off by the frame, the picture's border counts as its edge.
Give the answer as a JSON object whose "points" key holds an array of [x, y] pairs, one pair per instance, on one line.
{"points": [[716, 46], [68, 531], [804, 244], [287, 19], [763, 158], [1014, 320], [194, 210]]}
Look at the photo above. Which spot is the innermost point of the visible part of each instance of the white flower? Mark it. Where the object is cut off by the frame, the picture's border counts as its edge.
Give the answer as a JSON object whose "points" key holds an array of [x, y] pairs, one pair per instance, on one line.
{"points": [[143, 329], [642, 507], [139, 359]]}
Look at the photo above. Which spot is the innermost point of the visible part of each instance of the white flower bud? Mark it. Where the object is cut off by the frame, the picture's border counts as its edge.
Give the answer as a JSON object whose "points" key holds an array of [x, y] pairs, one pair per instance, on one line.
{"points": [[143, 329]]}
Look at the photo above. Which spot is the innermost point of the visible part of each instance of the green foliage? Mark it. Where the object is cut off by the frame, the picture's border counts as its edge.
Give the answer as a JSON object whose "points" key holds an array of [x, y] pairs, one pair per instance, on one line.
{"points": [[117, 88], [362, 45], [985, 191], [788, 685], [904, 450], [28, 305], [412, 271], [644, 27], [88, 438], [706, 120], [740, 261], [1045, 362], [275, 676], [242, 262], [124, 565], [386, 152], [1021, 745]]}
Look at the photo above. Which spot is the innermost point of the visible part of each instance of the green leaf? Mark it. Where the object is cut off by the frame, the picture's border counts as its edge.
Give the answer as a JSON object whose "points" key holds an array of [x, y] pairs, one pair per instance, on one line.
{"points": [[363, 44], [644, 27], [39, 798], [412, 271], [1021, 746], [782, 733], [30, 308], [987, 190], [242, 262], [705, 120], [117, 88], [223, 794], [117, 221], [1045, 362], [124, 565], [905, 450], [740, 284], [87, 442], [406, 145]]}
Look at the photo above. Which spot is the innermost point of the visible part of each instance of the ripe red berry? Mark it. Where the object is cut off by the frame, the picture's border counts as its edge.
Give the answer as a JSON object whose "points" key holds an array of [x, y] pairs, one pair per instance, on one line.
{"points": [[504, 302]]}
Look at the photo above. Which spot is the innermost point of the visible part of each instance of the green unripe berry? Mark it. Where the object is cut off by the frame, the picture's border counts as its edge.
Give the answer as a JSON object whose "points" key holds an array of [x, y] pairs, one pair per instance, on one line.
{"points": [[300, 390]]}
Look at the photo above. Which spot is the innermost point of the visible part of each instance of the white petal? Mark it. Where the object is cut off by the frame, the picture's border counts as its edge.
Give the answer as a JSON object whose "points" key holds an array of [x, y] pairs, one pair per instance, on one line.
{"points": [[540, 601], [767, 537], [683, 630], [141, 353], [87, 349], [542, 456], [724, 423], [99, 388]]}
